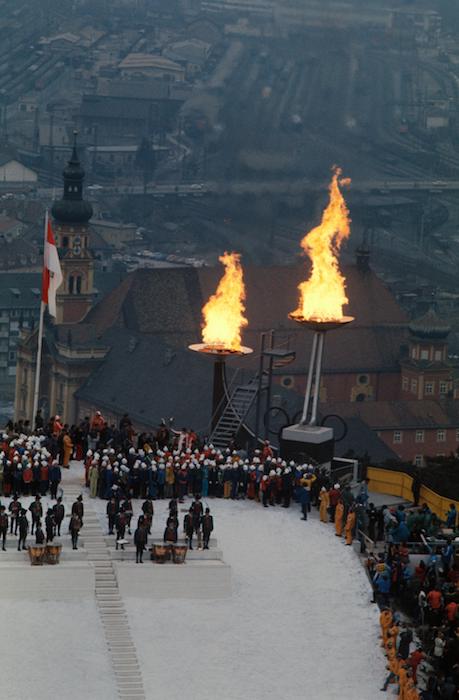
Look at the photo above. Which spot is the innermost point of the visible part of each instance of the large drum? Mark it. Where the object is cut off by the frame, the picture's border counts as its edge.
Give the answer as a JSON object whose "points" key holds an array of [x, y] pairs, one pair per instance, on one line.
{"points": [[160, 553], [36, 554], [179, 553], [53, 553]]}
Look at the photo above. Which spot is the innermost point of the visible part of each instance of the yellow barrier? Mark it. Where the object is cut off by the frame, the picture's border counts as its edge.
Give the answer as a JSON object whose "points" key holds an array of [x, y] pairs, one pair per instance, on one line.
{"points": [[399, 484]]}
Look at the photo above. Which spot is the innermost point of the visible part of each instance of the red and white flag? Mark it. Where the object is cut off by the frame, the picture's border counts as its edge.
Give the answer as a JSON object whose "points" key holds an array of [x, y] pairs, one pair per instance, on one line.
{"points": [[52, 273]]}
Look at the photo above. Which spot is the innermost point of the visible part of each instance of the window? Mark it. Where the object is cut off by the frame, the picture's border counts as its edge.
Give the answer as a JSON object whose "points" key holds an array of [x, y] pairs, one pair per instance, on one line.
{"points": [[398, 435], [12, 355], [405, 383], [71, 283], [443, 388], [418, 460], [457, 434], [429, 388], [438, 355], [65, 242], [360, 397], [424, 354], [414, 386], [441, 435], [78, 285], [287, 381], [419, 437], [363, 379]]}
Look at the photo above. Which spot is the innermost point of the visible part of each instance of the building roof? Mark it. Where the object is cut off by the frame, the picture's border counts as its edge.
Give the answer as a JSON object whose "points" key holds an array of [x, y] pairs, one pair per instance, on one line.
{"points": [[145, 394], [372, 342], [399, 415], [430, 326], [360, 440], [146, 60], [20, 290]]}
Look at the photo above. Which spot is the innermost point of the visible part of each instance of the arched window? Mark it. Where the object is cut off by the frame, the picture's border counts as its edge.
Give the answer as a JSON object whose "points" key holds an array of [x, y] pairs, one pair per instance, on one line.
{"points": [[78, 284], [71, 284], [65, 242]]}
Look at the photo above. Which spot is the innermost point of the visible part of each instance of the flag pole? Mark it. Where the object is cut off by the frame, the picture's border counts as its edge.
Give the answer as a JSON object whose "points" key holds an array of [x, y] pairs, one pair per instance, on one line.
{"points": [[40, 342]]}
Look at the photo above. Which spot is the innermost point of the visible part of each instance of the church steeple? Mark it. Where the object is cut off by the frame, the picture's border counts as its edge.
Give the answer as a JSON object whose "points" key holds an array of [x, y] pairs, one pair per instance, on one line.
{"points": [[71, 215], [72, 208]]}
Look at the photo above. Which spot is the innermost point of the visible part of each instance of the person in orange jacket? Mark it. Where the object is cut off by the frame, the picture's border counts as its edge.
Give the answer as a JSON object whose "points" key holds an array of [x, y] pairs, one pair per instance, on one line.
{"points": [[385, 620], [339, 513], [97, 422], [324, 499], [350, 525]]}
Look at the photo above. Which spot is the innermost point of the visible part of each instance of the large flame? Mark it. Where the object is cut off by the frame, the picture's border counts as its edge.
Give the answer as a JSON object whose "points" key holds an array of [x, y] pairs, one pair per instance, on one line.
{"points": [[224, 312], [323, 295]]}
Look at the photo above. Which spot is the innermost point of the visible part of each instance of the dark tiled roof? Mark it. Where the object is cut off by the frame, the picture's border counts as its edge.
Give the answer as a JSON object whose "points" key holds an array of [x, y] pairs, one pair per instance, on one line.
{"points": [[395, 415], [361, 440], [168, 302], [150, 379]]}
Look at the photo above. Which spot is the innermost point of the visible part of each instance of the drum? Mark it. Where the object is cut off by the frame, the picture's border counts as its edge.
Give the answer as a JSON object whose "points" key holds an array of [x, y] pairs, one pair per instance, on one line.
{"points": [[53, 553], [36, 554], [160, 553], [179, 553]]}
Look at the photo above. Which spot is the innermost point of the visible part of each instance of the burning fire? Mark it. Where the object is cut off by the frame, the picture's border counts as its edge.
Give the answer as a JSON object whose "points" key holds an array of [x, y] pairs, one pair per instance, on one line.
{"points": [[323, 295], [224, 312]]}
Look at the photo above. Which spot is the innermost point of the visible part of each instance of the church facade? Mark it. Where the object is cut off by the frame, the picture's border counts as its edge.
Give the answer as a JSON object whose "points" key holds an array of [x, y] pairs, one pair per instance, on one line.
{"points": [[66, 361]]}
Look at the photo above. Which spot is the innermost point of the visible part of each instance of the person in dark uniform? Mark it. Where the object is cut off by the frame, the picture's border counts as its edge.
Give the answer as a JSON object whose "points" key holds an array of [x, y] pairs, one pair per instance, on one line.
{"points": [[74, 528], [198, 511], [372, 515], [207, 524], [170, 533], [39, 534], [416, 488], [36, 511], [15, 510], [49, 525], [127, 509], [59, 513], [120, 524], [112, 510], [23, 526], [148, 511], [188, 526], [140, 541], [3, 526], [78, 509]]}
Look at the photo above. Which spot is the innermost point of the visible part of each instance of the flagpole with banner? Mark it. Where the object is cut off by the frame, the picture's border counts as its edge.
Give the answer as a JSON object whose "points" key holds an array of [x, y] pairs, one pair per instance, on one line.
{"points": [[51, 281], [40, 334]]}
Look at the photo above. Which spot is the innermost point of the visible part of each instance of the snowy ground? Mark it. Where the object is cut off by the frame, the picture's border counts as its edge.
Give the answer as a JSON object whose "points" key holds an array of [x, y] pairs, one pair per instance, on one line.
{"points": [[299, 623], [53, 650]]}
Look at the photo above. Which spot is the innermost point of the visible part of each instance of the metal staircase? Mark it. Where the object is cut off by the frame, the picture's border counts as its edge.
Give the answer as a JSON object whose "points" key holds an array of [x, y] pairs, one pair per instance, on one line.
{"points": [[234, 413]]}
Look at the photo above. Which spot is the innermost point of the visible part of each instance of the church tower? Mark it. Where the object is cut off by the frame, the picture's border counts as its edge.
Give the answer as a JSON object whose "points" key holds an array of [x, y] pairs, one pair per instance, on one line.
{"points": [[71, 216]]}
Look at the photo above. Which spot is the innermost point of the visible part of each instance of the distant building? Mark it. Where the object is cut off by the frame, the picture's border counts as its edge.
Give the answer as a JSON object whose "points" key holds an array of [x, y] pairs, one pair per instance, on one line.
{"points": [[192, 54], [151, 66], [20, 296], [115, 233], [130, 110], [12, 172]]}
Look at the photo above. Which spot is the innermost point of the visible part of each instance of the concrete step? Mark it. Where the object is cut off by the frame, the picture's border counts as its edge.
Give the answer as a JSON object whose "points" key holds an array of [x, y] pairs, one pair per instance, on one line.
{"points": [[192, 554]]}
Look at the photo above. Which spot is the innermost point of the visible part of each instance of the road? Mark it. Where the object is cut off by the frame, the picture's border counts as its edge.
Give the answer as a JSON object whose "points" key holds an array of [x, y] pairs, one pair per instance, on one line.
{"points": [[293, 187]]}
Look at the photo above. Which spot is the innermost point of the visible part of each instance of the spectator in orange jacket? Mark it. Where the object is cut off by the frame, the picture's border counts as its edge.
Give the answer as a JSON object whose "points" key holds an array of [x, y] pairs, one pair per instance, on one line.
{"points": [[324, 500], [350, 525], [339, 514], [97, 422]]}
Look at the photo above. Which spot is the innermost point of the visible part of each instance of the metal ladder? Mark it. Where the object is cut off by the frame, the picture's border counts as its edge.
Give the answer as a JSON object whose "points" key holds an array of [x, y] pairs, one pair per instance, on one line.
{"points": [[237, 408]]}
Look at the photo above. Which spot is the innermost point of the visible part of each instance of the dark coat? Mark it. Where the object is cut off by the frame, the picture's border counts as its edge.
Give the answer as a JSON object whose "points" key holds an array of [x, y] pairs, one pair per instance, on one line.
{"points": [[140, 537], [207, 524]]}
